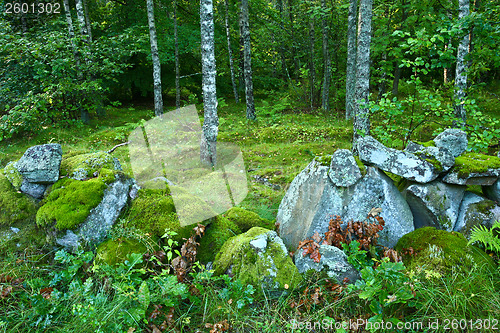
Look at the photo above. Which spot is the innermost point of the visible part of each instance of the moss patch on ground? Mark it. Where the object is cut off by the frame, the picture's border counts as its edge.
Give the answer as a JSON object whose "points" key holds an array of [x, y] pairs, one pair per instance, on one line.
{"points": [[442, 251], [474, 162], [69, 203], [14, 206], [85, 165], [113, 252]]}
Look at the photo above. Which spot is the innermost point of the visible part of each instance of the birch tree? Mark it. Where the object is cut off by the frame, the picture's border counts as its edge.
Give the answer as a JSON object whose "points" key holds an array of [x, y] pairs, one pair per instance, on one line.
{"points": [[208, 152], [87, 21], [71, 33], [361, 115], [461, 69], [156, 60], [351, 59], [247, 55], [325, 100], [177, 65], [230, 53]]}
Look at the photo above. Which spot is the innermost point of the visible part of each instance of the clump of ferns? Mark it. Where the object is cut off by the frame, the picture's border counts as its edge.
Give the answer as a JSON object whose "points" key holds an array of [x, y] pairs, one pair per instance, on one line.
{"points": [[489, 238]]}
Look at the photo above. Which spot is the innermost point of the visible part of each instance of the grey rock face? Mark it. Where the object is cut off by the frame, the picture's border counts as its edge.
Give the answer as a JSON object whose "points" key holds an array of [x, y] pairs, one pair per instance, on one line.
{"points": [[474, 178], [33, 189], [343, 169], [435, 204], [333, 260], [474, 211], [492, 192], [454, 140], [442, 155], [398, 162], [40, 164]]}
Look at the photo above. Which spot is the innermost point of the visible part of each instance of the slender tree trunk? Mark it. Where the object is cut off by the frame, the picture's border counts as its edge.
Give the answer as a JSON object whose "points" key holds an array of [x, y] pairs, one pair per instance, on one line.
{"points": [[177, 66], [245, 29], [312, 70], [87, 21], [446, 71], [325, 98], [293, 41], [156, 59], [230, 53], [71, 33], [462, 67], [361, 116], [351, 60], [208, 151]]}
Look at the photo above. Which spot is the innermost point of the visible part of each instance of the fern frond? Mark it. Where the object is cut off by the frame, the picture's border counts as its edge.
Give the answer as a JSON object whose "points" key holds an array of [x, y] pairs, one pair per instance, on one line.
{"points": [[486, 237]]}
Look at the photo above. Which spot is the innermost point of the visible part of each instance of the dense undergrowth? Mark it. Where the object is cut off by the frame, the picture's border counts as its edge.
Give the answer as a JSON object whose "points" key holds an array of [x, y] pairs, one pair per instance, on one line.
{"points": [[45, 290]]}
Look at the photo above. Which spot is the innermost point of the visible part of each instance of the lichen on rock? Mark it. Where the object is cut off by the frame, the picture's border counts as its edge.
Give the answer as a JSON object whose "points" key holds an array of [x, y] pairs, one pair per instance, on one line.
{"points": [[14, 176], [83, 166]]}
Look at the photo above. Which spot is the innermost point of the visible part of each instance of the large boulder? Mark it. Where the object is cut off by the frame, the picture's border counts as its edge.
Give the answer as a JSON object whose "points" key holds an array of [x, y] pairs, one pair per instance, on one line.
{"points": [[33, 189], [454, 140], [312, 200], [492, 192], [441, 158], [398, 162], [475, 211], [40, 164], [344, 170], [81, 167], [333, 260], [260, 258], [474, 169], [434, 204]]}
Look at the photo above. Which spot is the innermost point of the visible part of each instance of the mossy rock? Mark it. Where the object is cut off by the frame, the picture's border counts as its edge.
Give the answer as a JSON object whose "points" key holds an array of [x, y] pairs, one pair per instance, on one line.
{"points": [[260, 258], [442, 251], [14, 176], [362, 167], [475, 163], [324, 160], [83, 166], [22, 235], [69, 202], [14, 206], [246, 220], [114, 252], [216, 234]]}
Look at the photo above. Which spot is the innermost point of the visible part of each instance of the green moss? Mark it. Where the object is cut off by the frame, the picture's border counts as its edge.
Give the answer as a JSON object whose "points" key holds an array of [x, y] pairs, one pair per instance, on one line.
{"points": [[107, 176], [324, 160], [361, 166], [430, 143], [69, 203], [14, 206], [474, 162], [216, 234], [13, 175], [273, 267], [246, 220], [83, 166], [113, 252], [29, 235], [441, 251], [429, 158]]}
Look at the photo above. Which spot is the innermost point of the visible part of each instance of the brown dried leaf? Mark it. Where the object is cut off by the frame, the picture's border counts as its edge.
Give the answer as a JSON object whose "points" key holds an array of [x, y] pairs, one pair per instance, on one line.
{"points": [[5, 291]]}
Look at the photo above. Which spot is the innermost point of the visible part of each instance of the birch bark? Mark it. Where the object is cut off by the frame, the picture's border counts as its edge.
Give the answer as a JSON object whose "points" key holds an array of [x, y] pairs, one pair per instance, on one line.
{"points": [[156, 60], [325, 100], [230, 53], [247, 55], [351, 60], [177, 65], [462, 66]]}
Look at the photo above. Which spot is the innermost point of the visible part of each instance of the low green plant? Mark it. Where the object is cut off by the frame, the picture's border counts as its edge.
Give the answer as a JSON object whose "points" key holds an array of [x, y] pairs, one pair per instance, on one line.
{"points": [[355, 256], [486, 237]]}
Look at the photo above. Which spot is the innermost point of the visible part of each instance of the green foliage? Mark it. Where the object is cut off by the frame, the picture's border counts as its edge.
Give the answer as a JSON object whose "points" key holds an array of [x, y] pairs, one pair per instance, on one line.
{"points": [[355, 256], [237, 291], [486, 237]]}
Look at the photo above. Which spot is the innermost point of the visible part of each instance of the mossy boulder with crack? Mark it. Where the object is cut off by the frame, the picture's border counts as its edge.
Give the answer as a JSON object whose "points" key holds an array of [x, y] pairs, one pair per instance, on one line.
{"points": [[15, 207], [114, 252], [83, 166], [69, 202], [246, 220], [442, 251], [217, 233], [258, 257], [474, 169]]}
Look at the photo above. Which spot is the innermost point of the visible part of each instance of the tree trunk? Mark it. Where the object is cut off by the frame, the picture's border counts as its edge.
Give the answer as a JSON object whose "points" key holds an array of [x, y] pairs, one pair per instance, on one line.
{"points": [[245, 29], [156, 60], [177, 66], [208, 151], [293, 41], [325, 100], [71, 33], [87, 21], [230, 53], [361, 116], [312, 70], [351, 60], [462, 66], [446, 71]]}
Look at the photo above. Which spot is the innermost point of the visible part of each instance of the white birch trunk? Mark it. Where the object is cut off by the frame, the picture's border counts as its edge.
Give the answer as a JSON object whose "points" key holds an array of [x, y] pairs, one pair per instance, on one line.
{"points": [[351, 60], [312, 70], [87, 21], [177, 65], [247, 56], [208, 151], [156, 60], [325, 100], [230, 53], [462, 66], [361, 116], [71, 33]]}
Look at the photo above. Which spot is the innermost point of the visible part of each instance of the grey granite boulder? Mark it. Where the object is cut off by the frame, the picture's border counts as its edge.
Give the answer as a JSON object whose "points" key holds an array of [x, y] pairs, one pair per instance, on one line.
{"points": [[485, 178], [474, 211], [333, 260], [344, 170], [398, 162], [434, 204], [492, 192], [40, 164], [441, 158], [455, 140], [33, 189]]}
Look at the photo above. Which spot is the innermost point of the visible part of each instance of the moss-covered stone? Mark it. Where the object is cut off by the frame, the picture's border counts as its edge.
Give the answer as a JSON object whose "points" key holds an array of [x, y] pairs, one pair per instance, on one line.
{"points": [[361, 166], [108, 176], [431, 159], [22, 235], [246, 220], [475, 163], [216, 234], [83, 166], [113, 252], [14, 176], [69, 203], [258, 257], [429, 143], [324, 160], [442, 251], [14, 206]]}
